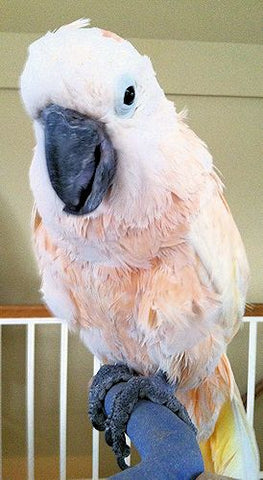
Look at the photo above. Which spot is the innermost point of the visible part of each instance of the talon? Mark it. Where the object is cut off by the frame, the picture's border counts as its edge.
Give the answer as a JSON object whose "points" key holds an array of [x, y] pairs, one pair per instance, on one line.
{"points": [[122, 464]]}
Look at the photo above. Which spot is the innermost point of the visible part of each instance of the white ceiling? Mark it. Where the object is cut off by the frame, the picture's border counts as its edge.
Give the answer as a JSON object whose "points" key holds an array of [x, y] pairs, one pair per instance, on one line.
{"points": [[239, 21]]}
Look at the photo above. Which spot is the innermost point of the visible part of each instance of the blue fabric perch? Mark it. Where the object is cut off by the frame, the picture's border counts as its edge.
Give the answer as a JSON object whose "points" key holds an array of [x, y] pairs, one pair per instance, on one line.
{"points": [[167, 446]]}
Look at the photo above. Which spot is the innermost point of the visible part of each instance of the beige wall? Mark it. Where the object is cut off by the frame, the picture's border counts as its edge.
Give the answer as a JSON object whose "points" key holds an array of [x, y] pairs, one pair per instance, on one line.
{"points": [[221, 85]]}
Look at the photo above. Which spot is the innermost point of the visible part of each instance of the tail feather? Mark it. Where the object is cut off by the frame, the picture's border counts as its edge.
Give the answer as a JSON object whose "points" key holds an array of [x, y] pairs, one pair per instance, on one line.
{"points": [[227, 441], [232, 449]]}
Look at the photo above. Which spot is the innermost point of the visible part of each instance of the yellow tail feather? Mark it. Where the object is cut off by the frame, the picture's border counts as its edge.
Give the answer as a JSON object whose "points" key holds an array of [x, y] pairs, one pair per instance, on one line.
{"points": [[232, 449]]}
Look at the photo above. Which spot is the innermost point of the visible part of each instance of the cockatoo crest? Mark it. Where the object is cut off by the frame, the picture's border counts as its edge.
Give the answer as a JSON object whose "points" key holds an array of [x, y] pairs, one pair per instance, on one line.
{"points": [[80, 23]]}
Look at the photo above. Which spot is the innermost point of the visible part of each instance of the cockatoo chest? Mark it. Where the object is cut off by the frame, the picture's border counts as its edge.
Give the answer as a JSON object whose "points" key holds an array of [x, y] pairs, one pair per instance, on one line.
{"points": [[147, 318]]}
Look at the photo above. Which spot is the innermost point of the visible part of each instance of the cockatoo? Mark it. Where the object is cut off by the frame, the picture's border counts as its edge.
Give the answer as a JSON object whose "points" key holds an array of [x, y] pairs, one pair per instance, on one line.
{"points": [[136, 244]]}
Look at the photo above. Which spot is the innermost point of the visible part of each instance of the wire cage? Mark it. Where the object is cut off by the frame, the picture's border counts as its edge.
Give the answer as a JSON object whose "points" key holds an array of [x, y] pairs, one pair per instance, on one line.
{"points": [[30, 324]]}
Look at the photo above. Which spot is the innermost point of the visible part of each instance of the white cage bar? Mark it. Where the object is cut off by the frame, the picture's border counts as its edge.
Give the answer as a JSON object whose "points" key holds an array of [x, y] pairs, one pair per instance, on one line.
{"points": [[30, 369], [30, 376], [252, 359], [1, 453], [63, 402], [95, 436]]}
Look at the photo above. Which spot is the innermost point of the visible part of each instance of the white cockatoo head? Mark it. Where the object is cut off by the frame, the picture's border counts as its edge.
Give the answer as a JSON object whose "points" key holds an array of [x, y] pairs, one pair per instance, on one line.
{"points": [[105, 132]]}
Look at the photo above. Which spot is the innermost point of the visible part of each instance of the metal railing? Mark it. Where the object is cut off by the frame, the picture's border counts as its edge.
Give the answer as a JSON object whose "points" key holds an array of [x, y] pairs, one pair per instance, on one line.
{"points": [[30, 324]]}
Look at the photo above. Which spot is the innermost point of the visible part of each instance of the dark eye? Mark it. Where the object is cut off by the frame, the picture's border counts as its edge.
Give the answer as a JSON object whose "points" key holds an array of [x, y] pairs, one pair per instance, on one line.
{"points": [[129, 95]]}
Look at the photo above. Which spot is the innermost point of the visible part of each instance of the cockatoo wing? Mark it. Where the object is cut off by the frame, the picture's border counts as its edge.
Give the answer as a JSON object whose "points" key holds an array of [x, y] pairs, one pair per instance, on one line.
{"points": [[217, 243]]}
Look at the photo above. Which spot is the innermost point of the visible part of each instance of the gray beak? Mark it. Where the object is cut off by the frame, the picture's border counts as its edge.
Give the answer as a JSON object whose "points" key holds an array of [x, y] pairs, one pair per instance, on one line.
{"points": [[80, 158]]}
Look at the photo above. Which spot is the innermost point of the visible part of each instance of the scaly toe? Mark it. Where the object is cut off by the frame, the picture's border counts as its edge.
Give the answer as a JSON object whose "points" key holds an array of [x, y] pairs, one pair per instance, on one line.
{"points": [[107, 376]]}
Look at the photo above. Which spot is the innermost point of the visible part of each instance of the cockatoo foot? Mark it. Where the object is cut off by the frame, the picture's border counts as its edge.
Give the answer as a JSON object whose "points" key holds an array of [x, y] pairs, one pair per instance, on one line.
{"points": [[154, 388], [107, 376]]}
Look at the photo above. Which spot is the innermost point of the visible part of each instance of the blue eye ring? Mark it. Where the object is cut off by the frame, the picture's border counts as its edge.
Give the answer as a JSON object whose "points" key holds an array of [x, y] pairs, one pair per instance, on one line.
{"points": [[125, 96]]}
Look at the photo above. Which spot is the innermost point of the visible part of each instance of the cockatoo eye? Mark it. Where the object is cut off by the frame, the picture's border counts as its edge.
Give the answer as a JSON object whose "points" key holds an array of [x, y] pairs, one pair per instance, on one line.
{"points": [[125, 96], [129, 95]]}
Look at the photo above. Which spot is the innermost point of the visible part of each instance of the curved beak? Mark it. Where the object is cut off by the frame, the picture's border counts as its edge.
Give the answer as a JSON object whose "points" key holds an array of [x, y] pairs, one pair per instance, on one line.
{"points": [[80, 158]]}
